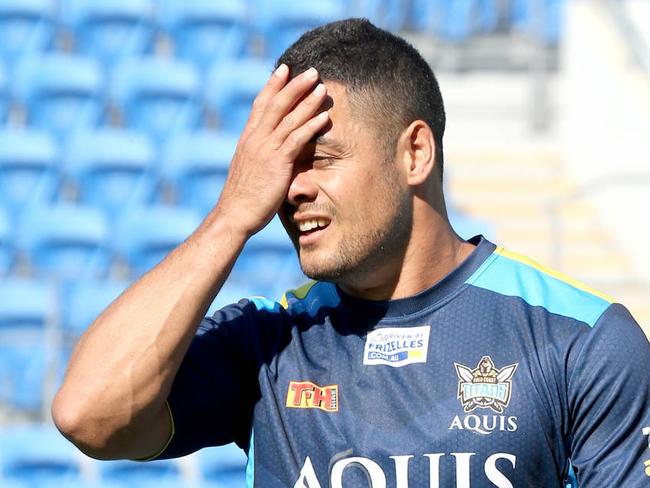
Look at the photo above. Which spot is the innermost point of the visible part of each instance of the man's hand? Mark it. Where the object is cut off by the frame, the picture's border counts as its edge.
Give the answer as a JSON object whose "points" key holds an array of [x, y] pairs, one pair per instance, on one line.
{"points": [[112, 402], [284, 118]]}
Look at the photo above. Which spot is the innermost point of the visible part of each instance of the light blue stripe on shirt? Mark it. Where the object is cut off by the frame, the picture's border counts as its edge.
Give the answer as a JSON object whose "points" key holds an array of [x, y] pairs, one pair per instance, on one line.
{"points": [[510, 277]]}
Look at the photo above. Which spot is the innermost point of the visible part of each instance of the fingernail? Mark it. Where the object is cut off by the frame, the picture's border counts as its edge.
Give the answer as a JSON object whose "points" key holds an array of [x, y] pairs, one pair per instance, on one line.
{"points": [[311, 74], [282, 70], [323, 115], [319, 90]]}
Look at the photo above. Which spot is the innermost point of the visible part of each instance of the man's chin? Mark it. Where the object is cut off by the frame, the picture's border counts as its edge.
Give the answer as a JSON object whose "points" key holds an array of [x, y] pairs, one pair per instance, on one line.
{"points": [[323, 276], [320, 271]]}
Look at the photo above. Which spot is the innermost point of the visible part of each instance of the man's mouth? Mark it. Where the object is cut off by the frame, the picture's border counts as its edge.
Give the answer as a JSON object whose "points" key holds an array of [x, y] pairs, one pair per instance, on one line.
{"points": [[311, 229], [312, 225]]}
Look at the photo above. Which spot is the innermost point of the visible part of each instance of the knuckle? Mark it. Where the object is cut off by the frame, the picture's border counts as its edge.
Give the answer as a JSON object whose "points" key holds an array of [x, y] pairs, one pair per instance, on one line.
{"points": [[294, 138], [289, 120], [275, 105], [258, 103]]}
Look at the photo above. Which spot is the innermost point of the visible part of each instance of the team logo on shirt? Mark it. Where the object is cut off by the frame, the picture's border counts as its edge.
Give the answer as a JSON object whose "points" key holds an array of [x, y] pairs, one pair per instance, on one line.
{"points": [[397, 346], [305, 394], [485, 386]]}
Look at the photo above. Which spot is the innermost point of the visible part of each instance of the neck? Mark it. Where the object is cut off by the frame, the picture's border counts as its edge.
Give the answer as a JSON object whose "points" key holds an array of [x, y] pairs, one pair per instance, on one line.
{"points": [[432, 252]]}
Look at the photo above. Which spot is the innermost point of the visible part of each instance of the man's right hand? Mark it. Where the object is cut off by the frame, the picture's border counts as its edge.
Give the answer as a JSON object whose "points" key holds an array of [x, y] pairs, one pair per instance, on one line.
{"points": [[284, 118], [112, 401]]}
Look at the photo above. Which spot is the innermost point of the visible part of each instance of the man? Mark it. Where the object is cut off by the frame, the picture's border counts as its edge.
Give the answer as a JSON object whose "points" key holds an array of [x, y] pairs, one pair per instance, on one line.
{"points": [[415, 359]]}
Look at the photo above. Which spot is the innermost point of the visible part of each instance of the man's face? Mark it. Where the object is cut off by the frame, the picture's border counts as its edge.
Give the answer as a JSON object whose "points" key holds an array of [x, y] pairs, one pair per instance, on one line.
{"points": [[347, 211]]}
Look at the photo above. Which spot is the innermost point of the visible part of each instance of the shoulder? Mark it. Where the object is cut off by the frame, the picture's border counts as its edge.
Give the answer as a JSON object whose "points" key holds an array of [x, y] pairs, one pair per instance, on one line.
{"points": [[310, 298], [510, 274], [258, 316]]}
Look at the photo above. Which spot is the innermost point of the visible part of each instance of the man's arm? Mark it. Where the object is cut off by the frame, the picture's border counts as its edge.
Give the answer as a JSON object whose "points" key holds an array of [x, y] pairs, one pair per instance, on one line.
{"points": [[609, 400], [112, 401]]}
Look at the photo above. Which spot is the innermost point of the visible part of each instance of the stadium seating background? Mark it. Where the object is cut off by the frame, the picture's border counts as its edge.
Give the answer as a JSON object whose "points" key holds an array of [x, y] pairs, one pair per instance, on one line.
{"points": [[117, 123]]}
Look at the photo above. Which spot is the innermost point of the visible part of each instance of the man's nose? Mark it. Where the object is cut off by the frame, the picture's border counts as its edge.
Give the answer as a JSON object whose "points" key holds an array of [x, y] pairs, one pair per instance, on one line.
{"points": [[302, 188]]}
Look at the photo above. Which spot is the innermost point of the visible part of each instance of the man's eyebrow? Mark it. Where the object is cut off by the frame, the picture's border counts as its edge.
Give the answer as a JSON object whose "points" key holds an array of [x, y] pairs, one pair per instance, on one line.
{"points": [[329, 142]]}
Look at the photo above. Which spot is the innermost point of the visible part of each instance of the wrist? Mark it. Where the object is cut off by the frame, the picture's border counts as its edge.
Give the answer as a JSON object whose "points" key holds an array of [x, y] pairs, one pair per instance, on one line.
{"points": [[221, 226]]}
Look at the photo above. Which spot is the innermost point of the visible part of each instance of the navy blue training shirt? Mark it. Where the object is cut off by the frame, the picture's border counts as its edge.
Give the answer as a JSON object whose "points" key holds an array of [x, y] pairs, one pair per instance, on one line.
{"points": [[505, 373]]}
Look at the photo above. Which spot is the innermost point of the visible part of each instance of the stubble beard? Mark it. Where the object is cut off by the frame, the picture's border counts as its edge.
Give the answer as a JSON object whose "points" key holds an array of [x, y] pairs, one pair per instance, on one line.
{"points": [[362, 252]]}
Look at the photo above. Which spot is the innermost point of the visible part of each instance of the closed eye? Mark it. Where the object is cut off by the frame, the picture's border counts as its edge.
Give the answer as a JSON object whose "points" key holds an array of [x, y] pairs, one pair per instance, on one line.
{"points": [[322, 161]]}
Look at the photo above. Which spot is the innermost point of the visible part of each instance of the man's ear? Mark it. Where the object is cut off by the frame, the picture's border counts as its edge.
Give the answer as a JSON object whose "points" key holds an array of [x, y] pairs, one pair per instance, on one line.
{"points": [[416, 149]]}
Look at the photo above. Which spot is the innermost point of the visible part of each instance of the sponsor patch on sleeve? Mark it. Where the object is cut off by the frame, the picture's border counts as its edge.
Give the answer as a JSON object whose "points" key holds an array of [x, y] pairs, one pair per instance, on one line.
{"points": [[397, 346], [305, 394]]}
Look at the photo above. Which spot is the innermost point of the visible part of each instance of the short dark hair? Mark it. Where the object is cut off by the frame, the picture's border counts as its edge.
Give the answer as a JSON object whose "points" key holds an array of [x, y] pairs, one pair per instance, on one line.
{"points": [[385, 77]]}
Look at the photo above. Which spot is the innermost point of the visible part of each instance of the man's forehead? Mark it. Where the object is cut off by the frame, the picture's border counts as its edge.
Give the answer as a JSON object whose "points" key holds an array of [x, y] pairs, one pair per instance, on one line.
{"points": [[339, 134], [345, 107]]}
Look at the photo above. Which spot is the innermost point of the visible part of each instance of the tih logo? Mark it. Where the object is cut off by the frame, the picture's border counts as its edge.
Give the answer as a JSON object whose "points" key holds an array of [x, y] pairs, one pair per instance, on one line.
{"points": [[305, 394]]}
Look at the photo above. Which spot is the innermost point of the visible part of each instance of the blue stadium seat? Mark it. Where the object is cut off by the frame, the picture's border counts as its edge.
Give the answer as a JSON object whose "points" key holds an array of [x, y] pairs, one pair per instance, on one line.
{"points": [[61, 92], [554, 21], [5, 96], [387, 14], [525, 18], [65, 240], [23, 368], [28, 169], [27, 304], [161, 473], [196, 163], [37, 454], [15, 483], [487, 15], [84, 300], [157, 95], [204, 30], [26, 27], [519, 11], [284, 21], [7, 244], [269, 261], [146, 480], [145, 235], [76, 483], [27, 310], [231, 88], [460, 20], [231, 292], [452, 20], [111, 30], [111, 168], [421, 14], [224, 466]]}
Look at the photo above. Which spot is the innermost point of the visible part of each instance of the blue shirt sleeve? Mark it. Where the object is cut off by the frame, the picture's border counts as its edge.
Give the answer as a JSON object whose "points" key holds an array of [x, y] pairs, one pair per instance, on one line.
{"points": [[216, 387], [609, 402]]}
